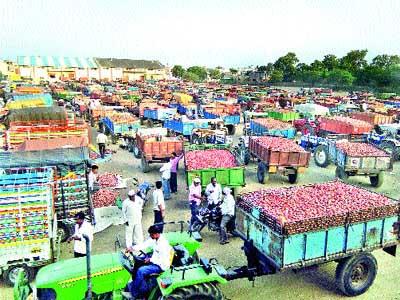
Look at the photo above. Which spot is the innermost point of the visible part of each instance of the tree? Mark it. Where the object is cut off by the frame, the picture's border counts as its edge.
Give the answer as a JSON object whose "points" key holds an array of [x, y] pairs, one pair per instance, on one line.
{"points": [[385, 61], [287, 64], [340, 77], [199, 71], [190, 76], [178, 71], [215, 73], [312, 76], [276, 76], [233, 71], [354, 61], [330, 62], [317, 65]]}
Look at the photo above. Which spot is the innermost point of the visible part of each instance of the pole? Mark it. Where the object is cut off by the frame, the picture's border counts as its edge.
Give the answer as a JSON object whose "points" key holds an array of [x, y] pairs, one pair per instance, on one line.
{"points": [[88, 271]]}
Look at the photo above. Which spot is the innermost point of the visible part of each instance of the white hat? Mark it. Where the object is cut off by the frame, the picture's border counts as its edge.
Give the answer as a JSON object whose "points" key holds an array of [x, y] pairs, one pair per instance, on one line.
{"points": [[226, 191], [131, 193], [196, 179]]}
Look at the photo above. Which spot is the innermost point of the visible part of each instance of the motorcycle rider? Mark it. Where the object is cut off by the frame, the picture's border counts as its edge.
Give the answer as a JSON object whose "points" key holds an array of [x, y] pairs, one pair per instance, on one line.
{"points": [[213, 192], [228, 215]]}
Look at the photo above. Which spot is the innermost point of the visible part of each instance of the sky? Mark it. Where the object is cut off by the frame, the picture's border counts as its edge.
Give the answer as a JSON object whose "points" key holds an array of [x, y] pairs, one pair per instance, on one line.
{"points": [[228, 33]]}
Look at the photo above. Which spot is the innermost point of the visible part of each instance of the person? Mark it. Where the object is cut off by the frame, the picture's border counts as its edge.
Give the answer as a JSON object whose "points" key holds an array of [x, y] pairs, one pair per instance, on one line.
{"points": [[132, 208], [228, 215], [101, 142], [159, 205], [173, 181], [165, 177], [159, 261], [261, 169], [194, 198], [92, 178], [82, 227], [213, 192]]}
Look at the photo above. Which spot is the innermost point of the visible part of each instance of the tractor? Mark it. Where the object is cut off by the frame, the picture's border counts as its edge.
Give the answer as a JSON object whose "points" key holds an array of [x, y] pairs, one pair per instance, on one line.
{"points": [[189, 276]]}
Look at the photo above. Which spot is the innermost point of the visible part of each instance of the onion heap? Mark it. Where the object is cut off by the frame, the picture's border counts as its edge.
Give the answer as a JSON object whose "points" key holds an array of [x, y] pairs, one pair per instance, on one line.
{"points": [[104, 197], [360, 149], [209, 159]]}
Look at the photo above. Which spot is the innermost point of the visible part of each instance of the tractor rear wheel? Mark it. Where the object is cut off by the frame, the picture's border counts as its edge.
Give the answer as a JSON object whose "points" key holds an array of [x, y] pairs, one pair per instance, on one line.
{"points": [[204, 291], [136, 151], [377, 180], [391, 149], [321, 156]]}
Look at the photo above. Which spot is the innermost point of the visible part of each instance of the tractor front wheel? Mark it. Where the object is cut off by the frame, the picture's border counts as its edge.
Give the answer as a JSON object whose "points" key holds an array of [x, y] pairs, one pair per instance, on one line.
{"points": [[204, 291]]}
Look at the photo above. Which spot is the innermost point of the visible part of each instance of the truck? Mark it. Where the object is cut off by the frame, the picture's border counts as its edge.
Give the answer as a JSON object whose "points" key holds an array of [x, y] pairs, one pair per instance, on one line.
{"points": [[289, 161], [27, 221], [156, 148], [231, 177]]}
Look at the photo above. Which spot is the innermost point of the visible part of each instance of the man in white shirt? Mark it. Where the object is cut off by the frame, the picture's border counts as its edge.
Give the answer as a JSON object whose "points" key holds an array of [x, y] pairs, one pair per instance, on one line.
{"points": [[92, 178], [213, 192], [132, 209], [159, 262], [228, 215], [159, 205], [101, 142], [82, 228], [165, 177]]}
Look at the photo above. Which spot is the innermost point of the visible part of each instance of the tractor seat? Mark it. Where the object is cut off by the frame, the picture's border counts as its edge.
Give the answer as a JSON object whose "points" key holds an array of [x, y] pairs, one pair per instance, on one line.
{"points": [[182, 256]]}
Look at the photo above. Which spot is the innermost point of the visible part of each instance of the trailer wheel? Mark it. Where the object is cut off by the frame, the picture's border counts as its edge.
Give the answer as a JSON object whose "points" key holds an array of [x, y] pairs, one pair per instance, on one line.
{"points": [[63, 231], [114, 139], [204, 291], [356, 274], [136, 151], [231, 129], [321, 156], [341, 173], [131, 145], [376, 180], [293, 177], [144, 164], [11, 274]]}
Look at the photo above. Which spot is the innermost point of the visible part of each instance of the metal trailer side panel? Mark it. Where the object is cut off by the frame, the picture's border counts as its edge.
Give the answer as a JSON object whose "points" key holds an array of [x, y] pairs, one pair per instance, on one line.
{"points": [[233, 177]]}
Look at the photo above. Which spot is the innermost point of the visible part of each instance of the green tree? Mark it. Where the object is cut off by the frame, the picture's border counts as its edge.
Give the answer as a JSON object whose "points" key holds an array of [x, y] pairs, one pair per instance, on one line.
{"points": [[214, 73], [190, 76], [287, 64], [330, 62], [317, 65], [276, 76], [354, 61], [199, 71], [312, 76], [178, 71], [340, 77], [385, 61], [233, 71]]}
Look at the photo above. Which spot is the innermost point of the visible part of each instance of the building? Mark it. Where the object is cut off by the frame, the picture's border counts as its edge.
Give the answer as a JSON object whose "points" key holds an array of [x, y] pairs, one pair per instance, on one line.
{"points": [[61, 68]]}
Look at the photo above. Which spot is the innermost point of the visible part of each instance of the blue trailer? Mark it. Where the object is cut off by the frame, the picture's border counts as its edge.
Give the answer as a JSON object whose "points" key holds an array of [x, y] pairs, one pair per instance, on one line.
{"points": [[185, 127], [160, 114], [118, 130], [258, 129], [270, 251]]}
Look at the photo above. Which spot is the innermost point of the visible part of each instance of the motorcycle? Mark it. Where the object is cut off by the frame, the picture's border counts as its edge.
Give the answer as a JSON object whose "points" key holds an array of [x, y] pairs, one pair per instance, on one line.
{"points": [[206, 216]]}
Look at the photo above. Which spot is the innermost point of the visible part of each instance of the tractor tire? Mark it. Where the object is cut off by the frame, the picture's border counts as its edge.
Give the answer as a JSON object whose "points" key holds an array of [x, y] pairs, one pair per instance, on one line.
{"points": [[376, 180], [354, 275], [307, 129], [321, 156], [231, 129], [130, 145], [293, 177], [136, 151], [391, 149], [341, 174], [203, 291], [144, 164], [10, 275]]}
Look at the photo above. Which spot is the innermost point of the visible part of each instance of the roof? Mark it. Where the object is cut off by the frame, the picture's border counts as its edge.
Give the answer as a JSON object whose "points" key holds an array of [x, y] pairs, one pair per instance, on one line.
{"points": [[56, 61], [128, 63]]}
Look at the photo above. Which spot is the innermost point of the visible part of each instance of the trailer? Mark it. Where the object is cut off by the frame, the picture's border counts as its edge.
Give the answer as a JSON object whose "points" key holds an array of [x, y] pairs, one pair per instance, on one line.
{"points": [[231, 177], [156, 149], [185, 127], [290, 161], [230, 121], [267, 126], [158, 114], [27, 221], [347, 239], [117, 128]]}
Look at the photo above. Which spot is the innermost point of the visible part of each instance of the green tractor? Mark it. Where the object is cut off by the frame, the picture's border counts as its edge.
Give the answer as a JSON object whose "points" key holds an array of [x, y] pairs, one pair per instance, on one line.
{"points": [[188, 278]]}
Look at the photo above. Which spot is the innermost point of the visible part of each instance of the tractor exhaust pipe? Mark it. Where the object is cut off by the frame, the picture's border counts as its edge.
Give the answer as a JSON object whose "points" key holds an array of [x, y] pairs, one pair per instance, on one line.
{"points": [[88, 269]]}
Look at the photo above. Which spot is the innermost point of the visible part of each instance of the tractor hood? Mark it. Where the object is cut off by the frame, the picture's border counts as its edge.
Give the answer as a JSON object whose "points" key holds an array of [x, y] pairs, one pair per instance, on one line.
{"points": [[75, 269]]}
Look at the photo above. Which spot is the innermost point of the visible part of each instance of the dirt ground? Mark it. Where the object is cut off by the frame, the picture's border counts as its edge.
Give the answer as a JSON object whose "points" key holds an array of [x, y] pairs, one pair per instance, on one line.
{"points": [[315, 284]]}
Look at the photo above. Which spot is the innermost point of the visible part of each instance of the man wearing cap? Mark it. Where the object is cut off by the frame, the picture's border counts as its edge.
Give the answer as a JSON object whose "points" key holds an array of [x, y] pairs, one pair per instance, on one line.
{"points": [[159, 261], [82, 227], [194, 198], [213, 192], [228, 214], [132, 214]]}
